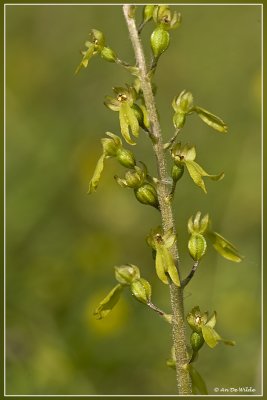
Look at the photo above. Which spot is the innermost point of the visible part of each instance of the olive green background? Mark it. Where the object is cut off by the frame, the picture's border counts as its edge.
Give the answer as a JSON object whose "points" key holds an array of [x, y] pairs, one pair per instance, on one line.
{"points": [[62, 245]]}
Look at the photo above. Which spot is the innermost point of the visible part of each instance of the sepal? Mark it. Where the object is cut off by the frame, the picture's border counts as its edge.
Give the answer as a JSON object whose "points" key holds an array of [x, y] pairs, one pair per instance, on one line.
{"points": [[126, 274], [93, 184], [109, 302], [212, 120], [198, 224], [225, 248], [186, 155]]}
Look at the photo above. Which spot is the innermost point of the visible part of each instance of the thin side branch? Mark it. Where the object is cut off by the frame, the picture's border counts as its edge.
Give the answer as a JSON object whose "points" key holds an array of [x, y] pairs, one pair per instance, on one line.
{"points": [[190, 275]]}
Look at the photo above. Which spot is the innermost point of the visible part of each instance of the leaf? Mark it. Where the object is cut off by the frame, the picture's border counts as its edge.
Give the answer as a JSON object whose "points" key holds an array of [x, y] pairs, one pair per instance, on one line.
{"points": [[97, 174], [224, 247], [212, 120], [124, 125], [198, 382], [197, 172], [211, 337], [86, 57], [107, 304]]}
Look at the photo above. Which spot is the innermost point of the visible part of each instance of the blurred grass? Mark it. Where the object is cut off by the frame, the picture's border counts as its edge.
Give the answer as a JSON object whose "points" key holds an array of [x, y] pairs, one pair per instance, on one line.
{"points": [[62, 245]]}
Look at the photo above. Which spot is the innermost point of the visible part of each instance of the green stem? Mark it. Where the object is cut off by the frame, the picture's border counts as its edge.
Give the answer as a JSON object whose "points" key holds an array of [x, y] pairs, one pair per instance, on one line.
{"points": [[190, 275], [176, 293]]}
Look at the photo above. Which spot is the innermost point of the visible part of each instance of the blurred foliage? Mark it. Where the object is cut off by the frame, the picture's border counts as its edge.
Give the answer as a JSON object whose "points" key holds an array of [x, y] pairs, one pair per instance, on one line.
{"points": [[62, 245]]}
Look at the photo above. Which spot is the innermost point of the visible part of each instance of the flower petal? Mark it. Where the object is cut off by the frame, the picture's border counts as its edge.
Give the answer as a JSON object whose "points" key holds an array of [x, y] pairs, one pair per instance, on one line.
{"points": [[108, 303], [87, 55], [97, 174], [224, 247], [125, 126], [197, 172], [212, 120]]}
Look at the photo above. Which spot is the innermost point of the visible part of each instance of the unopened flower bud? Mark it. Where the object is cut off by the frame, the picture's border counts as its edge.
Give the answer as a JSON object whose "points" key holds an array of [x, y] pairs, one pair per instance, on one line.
{"points": [[126, 274], [141, 290], [133, 179], [159, 41], [126, 158], [148, 12], [110, 147], [197, 246], [184, 102], [198, 224], [147, 194], [108, 54]]}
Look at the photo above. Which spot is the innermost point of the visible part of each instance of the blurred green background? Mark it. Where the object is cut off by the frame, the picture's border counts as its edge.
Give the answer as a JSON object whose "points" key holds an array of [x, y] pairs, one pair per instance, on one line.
{"points": [[62, 245]]}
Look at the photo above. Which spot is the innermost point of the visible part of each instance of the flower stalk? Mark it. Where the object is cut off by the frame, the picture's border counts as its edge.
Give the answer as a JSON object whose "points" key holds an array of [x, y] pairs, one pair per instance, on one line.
{"points": [[176, 293]]}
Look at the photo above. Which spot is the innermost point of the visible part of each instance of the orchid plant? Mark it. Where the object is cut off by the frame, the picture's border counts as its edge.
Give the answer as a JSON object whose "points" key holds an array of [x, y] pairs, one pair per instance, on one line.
{"points": [[137, 112]]}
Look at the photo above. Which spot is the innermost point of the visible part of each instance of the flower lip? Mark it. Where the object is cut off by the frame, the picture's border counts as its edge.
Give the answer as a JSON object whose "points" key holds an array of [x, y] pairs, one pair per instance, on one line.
{"points": [[159, 238], [166, 20], [121, 97]]}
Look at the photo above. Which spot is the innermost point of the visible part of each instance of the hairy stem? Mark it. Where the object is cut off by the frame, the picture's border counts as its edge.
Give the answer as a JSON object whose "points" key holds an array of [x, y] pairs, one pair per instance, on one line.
{"points": [[176, 293]]}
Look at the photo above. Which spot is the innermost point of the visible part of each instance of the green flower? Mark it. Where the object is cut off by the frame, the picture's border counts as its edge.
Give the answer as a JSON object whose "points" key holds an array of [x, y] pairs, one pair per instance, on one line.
{"points": [[204, 327], [128, 115], [165, 19], [183, 105], [94, 46], [186, 156], [164, 263], [201, 227], [112, 147]]}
